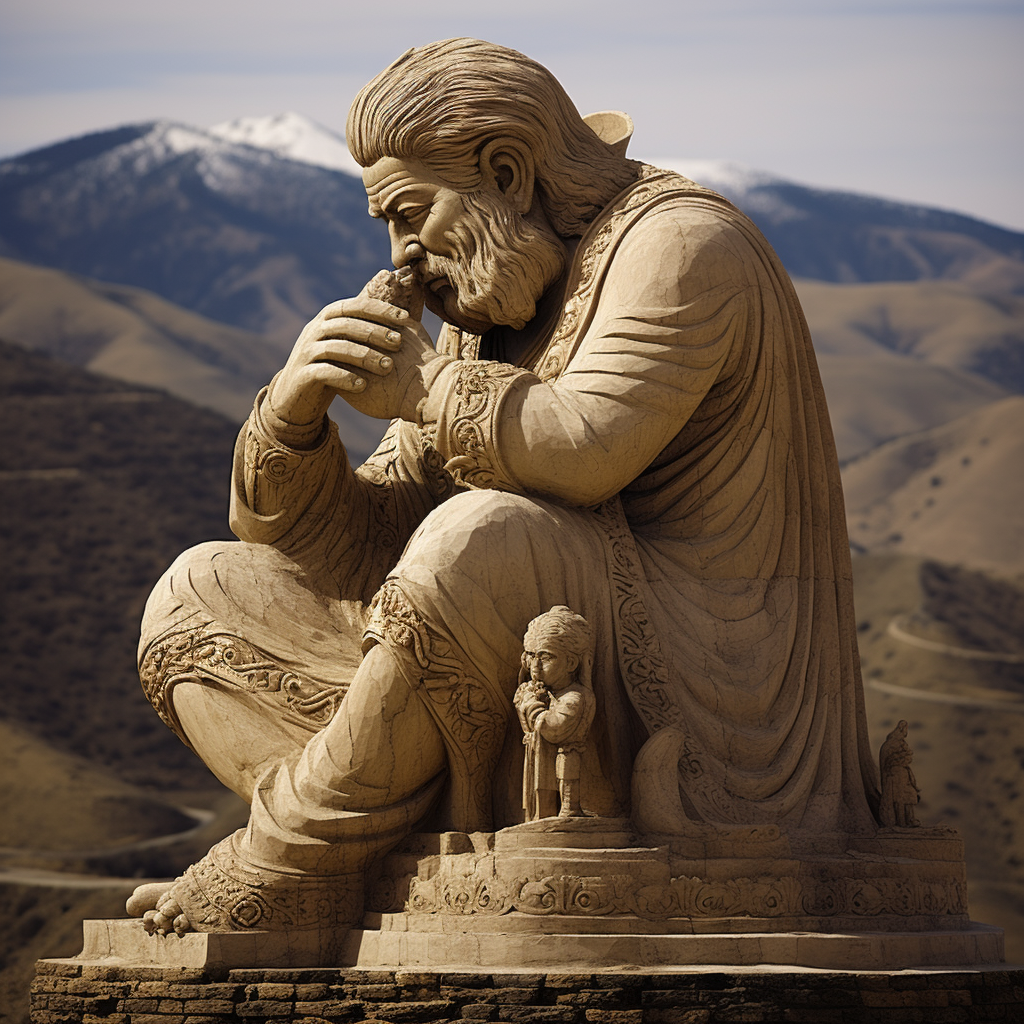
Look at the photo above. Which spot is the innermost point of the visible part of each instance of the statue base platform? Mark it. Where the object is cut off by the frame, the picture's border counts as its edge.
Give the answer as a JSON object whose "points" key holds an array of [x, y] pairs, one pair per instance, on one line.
{"points": [[79, 990], [445, 947], [563, 892], [590, 892], [575, 919]]}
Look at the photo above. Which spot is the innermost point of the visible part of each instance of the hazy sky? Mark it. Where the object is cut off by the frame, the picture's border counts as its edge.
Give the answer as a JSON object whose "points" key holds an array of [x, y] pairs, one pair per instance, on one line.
{"points": [[913, 99]]}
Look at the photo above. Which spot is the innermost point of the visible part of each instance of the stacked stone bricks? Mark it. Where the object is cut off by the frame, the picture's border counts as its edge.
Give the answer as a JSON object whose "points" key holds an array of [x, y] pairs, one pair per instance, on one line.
{"points": [[65, 992]]}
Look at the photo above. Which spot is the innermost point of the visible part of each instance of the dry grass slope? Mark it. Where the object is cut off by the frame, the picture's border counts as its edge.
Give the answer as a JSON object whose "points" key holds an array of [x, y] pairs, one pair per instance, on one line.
{"points": [[104, 485], [943, 323], [136, 336], [966, 716], [954, 492]]}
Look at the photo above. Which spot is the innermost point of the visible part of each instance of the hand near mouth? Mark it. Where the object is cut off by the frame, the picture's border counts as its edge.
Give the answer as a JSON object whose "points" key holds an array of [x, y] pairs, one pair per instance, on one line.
{"points": [[370, 350]]}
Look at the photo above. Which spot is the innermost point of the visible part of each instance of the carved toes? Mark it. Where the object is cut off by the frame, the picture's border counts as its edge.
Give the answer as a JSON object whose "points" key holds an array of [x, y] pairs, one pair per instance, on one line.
{"points": [[167, 917], [156, 923]]}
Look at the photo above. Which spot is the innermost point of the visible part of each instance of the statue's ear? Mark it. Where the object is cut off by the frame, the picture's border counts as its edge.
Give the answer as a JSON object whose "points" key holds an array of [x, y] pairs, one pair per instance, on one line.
{"points": [[574, 662], [507, 165]]}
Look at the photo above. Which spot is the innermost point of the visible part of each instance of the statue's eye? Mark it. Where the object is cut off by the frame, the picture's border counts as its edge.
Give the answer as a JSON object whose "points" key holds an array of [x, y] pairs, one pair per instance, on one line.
{"points": [[415, 214]]}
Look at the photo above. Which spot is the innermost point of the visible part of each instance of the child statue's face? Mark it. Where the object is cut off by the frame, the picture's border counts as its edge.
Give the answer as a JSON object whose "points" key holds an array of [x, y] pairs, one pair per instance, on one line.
{"points": [[549, 664]]}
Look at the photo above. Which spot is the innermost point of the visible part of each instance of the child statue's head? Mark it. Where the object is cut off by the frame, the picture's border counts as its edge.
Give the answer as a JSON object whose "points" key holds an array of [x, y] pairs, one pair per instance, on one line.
{"points": [[555, 645]]}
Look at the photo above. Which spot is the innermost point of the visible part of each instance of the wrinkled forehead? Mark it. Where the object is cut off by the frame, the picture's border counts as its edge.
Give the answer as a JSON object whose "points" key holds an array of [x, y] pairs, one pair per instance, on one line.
{"points": [[392, 178]]}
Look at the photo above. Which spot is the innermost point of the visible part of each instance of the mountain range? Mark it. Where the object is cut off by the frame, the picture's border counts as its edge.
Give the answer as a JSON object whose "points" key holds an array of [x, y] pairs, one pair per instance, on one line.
{"points": [[227, 230], [237, 224], [845, 237], [184, 259]]}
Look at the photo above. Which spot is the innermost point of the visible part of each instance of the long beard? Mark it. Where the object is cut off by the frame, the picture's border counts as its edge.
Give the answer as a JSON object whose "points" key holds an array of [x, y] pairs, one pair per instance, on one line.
{"points": [[504, 264]]}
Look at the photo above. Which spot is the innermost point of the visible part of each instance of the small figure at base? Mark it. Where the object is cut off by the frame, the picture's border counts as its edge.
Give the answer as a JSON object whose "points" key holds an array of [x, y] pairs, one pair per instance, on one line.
{"points": [[900, 792], [555, 703]]}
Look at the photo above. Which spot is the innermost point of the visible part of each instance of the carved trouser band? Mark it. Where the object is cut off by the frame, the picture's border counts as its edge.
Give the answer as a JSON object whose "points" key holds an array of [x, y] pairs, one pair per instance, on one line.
{"points": [[470, 714], [244, 619], [200, 651]]}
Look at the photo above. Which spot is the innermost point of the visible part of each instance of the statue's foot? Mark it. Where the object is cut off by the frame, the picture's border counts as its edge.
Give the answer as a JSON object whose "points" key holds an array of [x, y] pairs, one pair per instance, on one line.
{"points": [[145, 898], [167, 916], [224, 893]]}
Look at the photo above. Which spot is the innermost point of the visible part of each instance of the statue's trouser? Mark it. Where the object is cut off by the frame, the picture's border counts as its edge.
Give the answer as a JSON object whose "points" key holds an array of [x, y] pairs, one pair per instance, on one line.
{"points": [[442, 641]]}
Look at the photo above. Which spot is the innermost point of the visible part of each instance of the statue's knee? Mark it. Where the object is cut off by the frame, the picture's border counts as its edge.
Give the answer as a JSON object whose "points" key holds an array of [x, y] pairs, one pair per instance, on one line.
{"points": [[475, 527], [223, 581], [174, 597], [175, 618]]}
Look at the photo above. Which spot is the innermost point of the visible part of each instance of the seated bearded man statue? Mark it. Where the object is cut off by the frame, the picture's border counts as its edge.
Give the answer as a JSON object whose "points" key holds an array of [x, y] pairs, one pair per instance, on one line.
{"points": [[623, 415]]}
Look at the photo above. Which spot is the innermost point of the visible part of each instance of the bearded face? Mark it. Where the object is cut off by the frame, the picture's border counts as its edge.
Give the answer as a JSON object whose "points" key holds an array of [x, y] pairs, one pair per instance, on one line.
{"points": [[501, 265]]}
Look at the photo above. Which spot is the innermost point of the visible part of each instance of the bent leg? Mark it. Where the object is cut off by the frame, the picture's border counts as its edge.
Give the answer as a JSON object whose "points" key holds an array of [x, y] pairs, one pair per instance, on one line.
{"points": [[243, 658], [359, 785], [318, 820], [434, 689]]}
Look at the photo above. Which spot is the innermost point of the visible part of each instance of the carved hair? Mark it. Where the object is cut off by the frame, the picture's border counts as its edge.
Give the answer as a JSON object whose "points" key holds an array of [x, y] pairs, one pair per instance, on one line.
{"points": [[570, 632], [443, 103]]}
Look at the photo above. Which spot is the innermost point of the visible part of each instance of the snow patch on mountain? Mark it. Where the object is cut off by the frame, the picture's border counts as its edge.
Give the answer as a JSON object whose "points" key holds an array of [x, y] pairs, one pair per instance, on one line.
{"points": [[724, 176], [751, 189], [162, 143], [291, 137]]}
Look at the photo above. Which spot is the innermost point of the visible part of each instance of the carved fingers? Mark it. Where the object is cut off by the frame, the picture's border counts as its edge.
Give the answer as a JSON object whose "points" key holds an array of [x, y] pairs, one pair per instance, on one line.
{"points": [[353, 355], [366, 307], [364, 349]]}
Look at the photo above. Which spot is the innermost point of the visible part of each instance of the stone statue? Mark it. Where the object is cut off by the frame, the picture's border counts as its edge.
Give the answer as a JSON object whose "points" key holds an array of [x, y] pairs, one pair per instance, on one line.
{"points": [[900, 793], [622, 415], [555, 703]]}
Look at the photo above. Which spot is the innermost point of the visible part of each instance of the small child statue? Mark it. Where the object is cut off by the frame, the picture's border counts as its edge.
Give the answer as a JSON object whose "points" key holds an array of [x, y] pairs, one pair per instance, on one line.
{"points": [[900, 792], [555, 702]]}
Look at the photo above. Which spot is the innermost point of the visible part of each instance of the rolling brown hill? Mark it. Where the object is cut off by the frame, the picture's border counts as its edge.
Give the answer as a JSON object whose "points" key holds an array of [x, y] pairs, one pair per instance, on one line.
{"points": [[966, 713], [135, 336], [901, 357], [104, 484], [875, 398], [954, 492], [954, 324]]}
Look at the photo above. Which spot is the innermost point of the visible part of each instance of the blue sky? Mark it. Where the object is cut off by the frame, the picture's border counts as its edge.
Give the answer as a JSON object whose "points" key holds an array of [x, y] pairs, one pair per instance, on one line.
{"points": [[913, 99]]}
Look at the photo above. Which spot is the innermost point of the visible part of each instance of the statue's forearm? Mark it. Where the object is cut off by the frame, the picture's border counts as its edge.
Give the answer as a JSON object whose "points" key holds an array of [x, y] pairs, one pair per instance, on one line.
{"points": [[311, 505], [286, 490]]}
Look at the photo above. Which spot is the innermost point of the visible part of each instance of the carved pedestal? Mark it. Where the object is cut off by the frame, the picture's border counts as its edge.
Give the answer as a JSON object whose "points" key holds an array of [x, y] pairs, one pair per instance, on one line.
{"points": [[591, 894], [558, 893]]}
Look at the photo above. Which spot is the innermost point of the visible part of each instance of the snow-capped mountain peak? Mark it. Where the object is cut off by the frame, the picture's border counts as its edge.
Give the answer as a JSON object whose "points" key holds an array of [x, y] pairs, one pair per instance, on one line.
{"points": [[725, 176], [292, 137]]}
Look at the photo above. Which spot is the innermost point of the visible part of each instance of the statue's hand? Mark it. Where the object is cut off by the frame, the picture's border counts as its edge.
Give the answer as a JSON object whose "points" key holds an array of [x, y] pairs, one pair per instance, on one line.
{"points": [[366, 350]]}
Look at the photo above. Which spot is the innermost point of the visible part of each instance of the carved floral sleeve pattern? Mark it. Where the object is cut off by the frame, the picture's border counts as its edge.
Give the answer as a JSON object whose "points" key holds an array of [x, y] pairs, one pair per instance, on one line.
{"points": [[467, 428], [275, 486]]}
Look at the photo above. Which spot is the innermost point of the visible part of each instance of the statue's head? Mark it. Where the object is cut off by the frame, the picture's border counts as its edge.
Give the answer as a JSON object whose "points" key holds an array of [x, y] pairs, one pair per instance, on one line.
{"points": [[481, 165], [555, 647]]}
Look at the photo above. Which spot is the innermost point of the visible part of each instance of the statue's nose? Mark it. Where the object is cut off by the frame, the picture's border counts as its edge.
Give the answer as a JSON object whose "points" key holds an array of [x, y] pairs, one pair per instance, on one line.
{"points": [[406, 250]]}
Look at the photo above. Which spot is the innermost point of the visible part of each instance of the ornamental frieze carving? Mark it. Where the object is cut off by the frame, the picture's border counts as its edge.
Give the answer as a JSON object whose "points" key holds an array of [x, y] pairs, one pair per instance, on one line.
{"points": [[683, 897]]}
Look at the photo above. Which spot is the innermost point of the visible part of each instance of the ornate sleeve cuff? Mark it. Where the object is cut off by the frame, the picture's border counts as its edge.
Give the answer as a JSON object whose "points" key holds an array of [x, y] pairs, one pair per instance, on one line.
{"points": [[270, 464], [472, 396]]}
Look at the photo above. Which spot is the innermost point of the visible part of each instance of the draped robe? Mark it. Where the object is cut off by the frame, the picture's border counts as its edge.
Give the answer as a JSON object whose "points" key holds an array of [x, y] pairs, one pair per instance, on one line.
{"points": [[663, 464]]}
